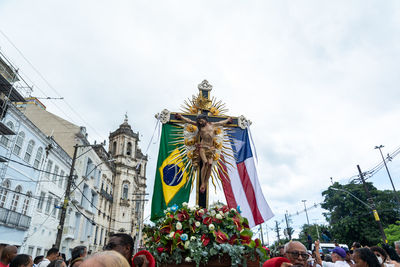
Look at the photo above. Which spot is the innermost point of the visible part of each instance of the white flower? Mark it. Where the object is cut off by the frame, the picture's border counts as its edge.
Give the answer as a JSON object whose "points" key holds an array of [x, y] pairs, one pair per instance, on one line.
{"points": [[192, 238], [171, 235], [201, 211], [221, 212], [184, 204], [187, 243], [218, 216], [211, 227], [196, 206], [232, 209], [168, 209], [192, 209], [197, 224], [213, 213], [188, 259], [178, 226]]}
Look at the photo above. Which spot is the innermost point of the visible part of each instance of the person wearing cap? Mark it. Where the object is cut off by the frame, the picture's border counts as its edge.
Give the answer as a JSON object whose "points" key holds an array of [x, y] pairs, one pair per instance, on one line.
{"points": [[338, 257]]}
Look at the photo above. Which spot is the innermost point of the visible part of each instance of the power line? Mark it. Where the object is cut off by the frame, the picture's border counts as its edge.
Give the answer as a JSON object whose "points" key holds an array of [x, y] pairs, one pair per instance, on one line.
{"points": [[47, 82], [29, 166]]}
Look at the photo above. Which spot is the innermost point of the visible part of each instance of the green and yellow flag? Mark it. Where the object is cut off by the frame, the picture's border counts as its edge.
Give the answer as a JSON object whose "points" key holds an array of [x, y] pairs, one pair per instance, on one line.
{"points": [[170, 185]]}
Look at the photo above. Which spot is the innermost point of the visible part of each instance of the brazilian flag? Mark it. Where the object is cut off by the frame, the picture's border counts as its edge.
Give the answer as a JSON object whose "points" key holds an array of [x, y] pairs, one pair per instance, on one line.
{"points": [[170, 185]]}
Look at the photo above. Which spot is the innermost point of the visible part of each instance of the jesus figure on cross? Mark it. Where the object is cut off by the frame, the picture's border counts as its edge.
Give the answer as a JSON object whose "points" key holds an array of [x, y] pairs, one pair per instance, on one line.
{"points": [[205, 143]]}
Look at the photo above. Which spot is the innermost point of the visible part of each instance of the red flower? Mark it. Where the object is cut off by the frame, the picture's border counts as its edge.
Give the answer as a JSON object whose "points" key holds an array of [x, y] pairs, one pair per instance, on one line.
{"points": [[205, 239], [183, 215], [237, 223], [160, 250], [224, 209], [207, 220], [216, 220], [166, 229], [198, 215], [258, 242], [220, 237], [245, 240], [233, 240]]}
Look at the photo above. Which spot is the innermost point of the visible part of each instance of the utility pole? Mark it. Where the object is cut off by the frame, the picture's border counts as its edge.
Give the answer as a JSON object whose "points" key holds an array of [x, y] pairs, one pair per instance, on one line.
{"points": [[66, 200], [372, 204], [262, 235], [305, 209], [390, 177], [277, 231], [287, 226]]}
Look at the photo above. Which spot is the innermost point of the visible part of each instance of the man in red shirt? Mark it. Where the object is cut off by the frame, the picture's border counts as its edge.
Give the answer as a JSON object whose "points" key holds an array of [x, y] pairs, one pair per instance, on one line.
{"points": [[8, 254]]}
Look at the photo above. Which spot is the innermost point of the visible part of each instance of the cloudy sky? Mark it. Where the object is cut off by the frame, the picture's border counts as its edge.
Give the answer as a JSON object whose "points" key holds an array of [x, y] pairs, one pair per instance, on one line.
{"points": [[317, 78]]}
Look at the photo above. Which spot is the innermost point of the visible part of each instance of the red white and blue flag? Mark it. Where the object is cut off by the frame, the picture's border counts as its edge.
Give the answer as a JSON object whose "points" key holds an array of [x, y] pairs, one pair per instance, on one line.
{"points": [[242, 189]]}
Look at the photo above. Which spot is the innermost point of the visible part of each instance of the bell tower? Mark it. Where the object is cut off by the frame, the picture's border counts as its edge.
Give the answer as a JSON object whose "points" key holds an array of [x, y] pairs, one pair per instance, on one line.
{"points": [[130, 180]]}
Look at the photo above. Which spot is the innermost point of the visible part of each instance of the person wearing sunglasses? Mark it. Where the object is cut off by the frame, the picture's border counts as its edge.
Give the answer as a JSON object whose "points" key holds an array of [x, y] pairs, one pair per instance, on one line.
{"points": [[338, 257], [296, 253]]}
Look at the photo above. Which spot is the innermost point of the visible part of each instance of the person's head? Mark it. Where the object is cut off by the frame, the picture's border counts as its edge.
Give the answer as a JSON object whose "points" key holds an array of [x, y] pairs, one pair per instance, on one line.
{"points": [[397, 247], [296, 252], [201, 120], [106, 259], [38, 259], [281, 251], [57, 263], [8, 254], [22, 260], [338, 254], [364, 257], [122, 243], [355, 245], [143, 259], [79, 251], [380, 253], [53, 254], [76, 262]]}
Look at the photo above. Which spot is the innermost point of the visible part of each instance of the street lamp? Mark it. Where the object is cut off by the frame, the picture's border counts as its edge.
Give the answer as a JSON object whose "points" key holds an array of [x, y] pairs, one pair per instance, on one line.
{"points": [[338, 189]]}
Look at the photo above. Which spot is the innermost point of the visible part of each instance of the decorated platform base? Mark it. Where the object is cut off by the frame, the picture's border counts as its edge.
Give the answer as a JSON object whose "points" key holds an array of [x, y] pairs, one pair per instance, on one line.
{"points": [[193, 236]]}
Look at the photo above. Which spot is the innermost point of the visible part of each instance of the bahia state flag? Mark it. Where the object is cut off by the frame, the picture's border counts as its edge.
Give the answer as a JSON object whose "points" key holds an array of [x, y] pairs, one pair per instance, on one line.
{"points": [[242, 189], [170, 185]]}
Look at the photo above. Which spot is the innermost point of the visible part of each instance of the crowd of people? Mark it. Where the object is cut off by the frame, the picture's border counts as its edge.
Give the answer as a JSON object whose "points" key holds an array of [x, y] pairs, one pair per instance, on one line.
{"points": [[295, 253], [117, 252]]}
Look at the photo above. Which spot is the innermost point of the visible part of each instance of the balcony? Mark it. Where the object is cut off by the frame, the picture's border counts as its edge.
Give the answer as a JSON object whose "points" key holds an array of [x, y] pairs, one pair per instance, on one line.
{"points": [[109, 197], [69, 232], [14, 219]]}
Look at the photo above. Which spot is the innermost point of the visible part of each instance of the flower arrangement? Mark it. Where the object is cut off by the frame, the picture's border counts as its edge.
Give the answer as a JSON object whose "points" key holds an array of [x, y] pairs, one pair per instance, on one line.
{"points": [[193, 234]]}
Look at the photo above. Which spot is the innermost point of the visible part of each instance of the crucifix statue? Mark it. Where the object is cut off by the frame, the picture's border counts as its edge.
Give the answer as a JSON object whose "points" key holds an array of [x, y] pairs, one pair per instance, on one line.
{"points": [[203, 121]]}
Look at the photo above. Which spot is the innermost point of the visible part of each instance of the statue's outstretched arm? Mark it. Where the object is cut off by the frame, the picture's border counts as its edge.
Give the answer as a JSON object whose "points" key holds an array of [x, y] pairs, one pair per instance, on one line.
{"points": [[220, 123], [180, 117]]}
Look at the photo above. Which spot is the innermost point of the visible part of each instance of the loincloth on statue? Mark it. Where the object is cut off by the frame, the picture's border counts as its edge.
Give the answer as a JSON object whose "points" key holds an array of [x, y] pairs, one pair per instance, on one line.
{"points": [[208, 150]]}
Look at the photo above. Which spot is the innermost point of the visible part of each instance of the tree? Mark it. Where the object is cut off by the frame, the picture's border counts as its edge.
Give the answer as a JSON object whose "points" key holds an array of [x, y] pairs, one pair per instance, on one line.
{"points": [[312, 230], [351, 220], [393, 232]]}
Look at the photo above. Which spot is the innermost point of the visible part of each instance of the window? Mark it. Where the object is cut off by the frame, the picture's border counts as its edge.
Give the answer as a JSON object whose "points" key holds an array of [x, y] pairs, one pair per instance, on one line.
{"points": [[26, 203], [125, 192], [89, 168], [4, 192], [48, 204], [4, 138], [30, 250], [15, 199], [129, 149], [38, 251], [41, 200], [19, 143], [114, 147], [38, 157], [55, 175], [95, 235], [101, 236], [61, 178], [48, 169], [28, 152], [77, 224]]}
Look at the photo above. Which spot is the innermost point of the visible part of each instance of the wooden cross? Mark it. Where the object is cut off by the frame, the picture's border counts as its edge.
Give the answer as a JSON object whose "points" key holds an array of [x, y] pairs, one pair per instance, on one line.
{"points": [[205, 103]]}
